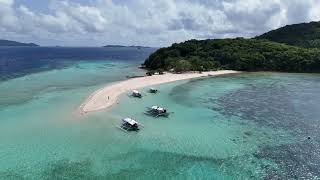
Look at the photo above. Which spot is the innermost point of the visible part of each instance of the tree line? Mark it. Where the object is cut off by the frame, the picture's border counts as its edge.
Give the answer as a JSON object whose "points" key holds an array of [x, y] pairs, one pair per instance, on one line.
{"points": [[236, 54]]}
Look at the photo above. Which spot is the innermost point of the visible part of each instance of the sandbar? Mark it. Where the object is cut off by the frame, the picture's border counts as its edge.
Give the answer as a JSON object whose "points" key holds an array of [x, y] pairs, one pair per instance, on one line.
{"points": [[107, 96]]}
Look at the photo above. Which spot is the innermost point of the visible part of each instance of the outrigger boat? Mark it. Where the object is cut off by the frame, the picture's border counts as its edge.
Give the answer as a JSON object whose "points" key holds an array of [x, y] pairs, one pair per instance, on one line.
{"points": [[153, 90], [157, 111], [129, 124], [136, 93]]}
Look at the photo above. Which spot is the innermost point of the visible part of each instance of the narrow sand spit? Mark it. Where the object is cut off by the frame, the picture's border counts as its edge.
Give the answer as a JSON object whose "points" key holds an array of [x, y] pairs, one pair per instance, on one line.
{"points": [[107, 96]]}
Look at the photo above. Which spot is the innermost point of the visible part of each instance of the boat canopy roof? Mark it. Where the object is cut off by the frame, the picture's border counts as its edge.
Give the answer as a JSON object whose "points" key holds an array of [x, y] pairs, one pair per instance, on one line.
{"points": [[135, 91], [157, 108], [153, 89], [130, 121]]}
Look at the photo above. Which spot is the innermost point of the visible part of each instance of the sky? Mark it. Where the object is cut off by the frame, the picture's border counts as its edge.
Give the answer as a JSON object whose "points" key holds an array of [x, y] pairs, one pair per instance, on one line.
{"points": [[153, 23]]}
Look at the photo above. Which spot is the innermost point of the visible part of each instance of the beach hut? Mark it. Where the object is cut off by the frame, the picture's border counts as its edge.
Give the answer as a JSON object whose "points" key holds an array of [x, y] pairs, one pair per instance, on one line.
{"points": [[149, 73]]}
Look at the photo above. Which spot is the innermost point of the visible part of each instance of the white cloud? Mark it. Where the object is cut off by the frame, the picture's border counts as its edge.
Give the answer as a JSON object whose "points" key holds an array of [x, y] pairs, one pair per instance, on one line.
{"points": [[89, 17], [251, 15], [7, 16], [155, 23], [315, 10]]}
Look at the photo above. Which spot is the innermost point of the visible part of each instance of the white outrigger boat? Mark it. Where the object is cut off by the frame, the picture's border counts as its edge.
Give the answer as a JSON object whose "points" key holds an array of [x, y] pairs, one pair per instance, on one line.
{"points": [[129, 124], [136, 93], [157, 111], [153, 90]]}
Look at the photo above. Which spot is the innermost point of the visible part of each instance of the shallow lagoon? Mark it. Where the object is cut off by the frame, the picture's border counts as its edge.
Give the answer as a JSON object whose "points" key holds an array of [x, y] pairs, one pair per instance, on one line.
{"points": [[249, 126]]}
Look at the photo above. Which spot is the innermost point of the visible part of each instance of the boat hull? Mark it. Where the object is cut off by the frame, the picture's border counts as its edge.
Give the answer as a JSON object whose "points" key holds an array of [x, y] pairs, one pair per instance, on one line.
{"points": [[127, 128], [156, 114]]}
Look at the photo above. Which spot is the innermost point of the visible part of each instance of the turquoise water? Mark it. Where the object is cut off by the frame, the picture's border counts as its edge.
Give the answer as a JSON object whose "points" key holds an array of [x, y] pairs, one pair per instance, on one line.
{"points": [[249, 126]]}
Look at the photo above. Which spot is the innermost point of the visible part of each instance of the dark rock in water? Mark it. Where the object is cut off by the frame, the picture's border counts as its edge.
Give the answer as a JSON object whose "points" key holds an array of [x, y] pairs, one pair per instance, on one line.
{"points": [[248, 133]]}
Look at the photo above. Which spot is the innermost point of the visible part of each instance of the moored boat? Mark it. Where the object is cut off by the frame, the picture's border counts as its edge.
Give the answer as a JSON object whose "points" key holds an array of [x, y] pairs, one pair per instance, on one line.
{"points": [[129, 124], [157, 111], [153, 90], [136, 93]]}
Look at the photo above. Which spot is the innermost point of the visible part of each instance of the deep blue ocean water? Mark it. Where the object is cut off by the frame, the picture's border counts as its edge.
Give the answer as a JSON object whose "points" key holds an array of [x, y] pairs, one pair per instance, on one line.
{"points": [[19, 61], [247, 126]]}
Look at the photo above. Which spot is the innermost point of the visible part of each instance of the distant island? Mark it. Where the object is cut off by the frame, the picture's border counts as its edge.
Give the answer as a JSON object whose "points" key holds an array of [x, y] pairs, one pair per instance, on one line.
{"points": [[14, 43], [273, 51], [121, 46]]}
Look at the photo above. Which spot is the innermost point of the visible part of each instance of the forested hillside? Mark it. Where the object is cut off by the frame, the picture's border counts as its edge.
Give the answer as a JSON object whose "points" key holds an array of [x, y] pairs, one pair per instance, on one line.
{"points": [[304, 35], [236, 54]]}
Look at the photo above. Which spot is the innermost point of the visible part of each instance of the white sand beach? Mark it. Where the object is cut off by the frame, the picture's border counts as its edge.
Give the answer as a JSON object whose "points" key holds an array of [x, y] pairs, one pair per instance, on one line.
{"points": [[107, 96]]}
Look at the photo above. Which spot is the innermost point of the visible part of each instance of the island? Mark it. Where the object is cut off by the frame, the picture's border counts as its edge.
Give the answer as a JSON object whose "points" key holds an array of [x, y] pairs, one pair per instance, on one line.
{"points": [[15, 43], [211, 58], [256, 54]]}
